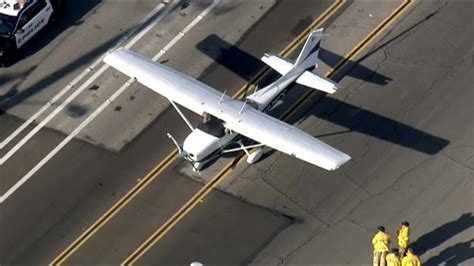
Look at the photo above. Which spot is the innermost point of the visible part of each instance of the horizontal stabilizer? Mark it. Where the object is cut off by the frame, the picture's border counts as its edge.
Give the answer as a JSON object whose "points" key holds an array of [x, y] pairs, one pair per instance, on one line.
{"points": [[317, 82], [279, 64]]}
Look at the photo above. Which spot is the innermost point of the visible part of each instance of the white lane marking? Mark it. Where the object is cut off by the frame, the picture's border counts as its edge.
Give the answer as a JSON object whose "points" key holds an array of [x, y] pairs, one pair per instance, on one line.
{"points": [[73, 83], [52, 115], [63, 143], [185, 30], [84, 86], [98, 110], [60, 145]]}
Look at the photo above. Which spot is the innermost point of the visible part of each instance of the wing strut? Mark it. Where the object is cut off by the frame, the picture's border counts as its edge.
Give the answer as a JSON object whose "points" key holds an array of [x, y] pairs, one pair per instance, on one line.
{"points": [[181, 114], [243, 148]]}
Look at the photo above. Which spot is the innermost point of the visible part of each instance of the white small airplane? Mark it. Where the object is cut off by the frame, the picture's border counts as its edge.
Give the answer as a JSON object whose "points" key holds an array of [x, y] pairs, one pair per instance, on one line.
{"points": [[225, 119]]}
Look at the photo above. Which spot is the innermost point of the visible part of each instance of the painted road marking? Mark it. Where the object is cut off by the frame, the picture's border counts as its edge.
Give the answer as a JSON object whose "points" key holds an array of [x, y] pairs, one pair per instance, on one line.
{"points": [[86, 71], [198, 197], [146, 180], [74, 82], [51, 154]]}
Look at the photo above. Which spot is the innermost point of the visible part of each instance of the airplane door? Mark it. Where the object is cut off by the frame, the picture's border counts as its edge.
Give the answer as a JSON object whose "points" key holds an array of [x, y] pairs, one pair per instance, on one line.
{"points": [[31, 20]]}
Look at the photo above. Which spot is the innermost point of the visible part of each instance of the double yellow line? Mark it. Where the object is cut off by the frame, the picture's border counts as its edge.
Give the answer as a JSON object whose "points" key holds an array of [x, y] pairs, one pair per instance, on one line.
{"points": [[161, 232], [146, 180], [290, 48], [157, 170], [209, 186], [142, 184]]}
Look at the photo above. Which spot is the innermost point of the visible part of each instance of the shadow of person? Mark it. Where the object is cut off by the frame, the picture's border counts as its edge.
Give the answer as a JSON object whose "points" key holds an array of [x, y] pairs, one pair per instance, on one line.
{"points": [[441, 234], [454, 255]]}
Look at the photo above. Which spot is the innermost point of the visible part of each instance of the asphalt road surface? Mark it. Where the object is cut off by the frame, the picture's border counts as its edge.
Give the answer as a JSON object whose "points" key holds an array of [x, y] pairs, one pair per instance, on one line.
{"points": [[75, 187], [405, 117]]}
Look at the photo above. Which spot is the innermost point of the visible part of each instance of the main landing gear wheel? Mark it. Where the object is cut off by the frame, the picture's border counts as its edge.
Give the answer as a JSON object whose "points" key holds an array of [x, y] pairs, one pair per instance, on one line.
{"points": [[197, 166], [254, 156]]}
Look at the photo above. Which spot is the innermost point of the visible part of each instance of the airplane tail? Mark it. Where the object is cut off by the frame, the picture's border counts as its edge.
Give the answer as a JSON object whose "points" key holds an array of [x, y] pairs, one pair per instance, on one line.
{"points": [[308, 57], [307, 61]]}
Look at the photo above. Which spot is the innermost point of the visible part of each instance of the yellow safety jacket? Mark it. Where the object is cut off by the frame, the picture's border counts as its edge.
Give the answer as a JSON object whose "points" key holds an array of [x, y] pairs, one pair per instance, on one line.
{"points": [[403, 236], [411, 260], [381, 242], [392, 260]]}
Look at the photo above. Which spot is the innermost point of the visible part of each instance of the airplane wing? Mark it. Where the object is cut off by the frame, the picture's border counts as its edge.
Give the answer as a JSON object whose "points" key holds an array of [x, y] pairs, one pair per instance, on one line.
{"points": [[238, 116]]}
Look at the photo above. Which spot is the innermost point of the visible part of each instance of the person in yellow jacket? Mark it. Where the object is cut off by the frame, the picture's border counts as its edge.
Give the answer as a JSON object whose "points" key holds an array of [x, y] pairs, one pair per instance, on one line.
{"points": [[403, 236], [392, 258], [381, 243], [411, 259]]}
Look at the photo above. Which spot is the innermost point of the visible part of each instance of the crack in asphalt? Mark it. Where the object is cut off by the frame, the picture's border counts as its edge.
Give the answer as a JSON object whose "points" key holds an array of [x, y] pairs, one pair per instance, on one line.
{"points": [[281, 261], [303, 244], [458, 163], [366, 146], [411, 62], [448, 72], [336, 108], [359, 186], [390, 187], [334, 111], [387, 57], [281, 192], [359, 225], [316, 234], [427, 92], [406, 172]]}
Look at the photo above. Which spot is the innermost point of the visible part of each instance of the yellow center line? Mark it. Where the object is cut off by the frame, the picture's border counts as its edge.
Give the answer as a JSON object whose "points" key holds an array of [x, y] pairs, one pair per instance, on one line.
{"points": [[157, 170], [290, 48], [115, 209], [351, 55], [205, 190]]}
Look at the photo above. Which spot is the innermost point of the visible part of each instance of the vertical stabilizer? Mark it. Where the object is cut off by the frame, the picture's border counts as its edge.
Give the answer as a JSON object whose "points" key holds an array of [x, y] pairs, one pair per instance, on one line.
{"points": [[308, 56], [306, 62]]}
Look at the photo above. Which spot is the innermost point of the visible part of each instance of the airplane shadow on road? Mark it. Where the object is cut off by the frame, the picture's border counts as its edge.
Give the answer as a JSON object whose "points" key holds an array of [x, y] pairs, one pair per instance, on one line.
{"points": [[341, 113], [234, 59], [360, 120]]}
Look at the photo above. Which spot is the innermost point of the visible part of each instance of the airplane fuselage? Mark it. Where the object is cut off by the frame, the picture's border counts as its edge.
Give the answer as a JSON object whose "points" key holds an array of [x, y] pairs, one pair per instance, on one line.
{"points": [[268, 96]]}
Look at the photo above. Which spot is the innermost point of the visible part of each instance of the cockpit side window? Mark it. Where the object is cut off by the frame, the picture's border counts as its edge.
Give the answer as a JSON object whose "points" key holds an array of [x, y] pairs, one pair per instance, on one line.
{"points": [[212, 126]]}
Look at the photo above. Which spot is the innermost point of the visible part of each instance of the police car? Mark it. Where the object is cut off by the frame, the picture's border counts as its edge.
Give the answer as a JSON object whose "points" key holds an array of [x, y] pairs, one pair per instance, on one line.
{"points": [[20, 20]]}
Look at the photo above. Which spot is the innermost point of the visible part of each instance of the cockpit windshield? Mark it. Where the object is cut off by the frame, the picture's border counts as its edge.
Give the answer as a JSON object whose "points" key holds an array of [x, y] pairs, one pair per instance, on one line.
{"points": [[212, 126], [7, 24]]}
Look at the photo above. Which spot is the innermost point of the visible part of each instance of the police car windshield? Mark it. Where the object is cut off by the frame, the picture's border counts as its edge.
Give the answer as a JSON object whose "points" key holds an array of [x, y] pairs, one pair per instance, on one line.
{"points": [[7, 24]]}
